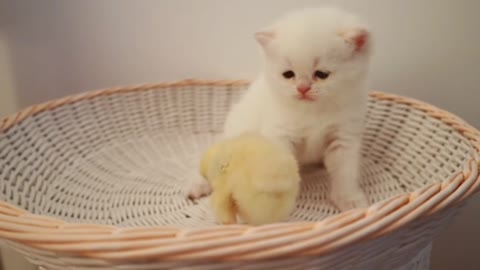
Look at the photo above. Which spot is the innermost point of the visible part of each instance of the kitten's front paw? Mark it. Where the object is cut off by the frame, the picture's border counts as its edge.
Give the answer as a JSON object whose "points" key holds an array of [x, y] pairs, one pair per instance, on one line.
{"points": [[197, 187], [349, 199]]}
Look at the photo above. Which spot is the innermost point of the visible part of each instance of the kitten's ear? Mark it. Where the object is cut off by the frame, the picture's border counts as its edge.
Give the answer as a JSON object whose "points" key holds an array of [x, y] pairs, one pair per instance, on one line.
{"points": [[264, 37], [359, 38]]}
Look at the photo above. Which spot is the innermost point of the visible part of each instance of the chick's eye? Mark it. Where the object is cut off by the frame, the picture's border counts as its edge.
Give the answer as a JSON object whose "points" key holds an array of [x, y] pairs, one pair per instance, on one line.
{"points": [[288, 74], [321, 74]]}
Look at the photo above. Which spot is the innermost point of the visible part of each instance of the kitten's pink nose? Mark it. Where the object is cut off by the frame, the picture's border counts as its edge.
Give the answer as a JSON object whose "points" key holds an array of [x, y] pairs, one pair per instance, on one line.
{"points": [[303, 89]]}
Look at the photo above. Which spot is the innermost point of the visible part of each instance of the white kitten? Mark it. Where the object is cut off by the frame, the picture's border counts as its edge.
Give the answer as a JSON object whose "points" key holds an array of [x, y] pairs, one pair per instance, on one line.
{"points": [[311, 93]]}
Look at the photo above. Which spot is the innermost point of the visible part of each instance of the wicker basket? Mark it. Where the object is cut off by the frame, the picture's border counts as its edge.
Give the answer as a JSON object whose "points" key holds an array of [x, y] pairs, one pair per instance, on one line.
{"points": [[95, 182]]}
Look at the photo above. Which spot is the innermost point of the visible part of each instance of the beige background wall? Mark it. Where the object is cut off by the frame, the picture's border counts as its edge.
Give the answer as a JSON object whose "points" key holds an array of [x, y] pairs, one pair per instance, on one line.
{"points": [[428, 49]]}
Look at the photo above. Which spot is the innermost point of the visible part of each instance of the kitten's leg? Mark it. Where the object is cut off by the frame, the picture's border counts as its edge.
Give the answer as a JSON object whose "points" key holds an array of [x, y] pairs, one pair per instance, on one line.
{"points": [[342, 161], [197, 186]]}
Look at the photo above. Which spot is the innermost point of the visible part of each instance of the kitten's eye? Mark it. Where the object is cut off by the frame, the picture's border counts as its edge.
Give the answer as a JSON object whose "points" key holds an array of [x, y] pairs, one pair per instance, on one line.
{"points": [[288, 74], [322, 74]]}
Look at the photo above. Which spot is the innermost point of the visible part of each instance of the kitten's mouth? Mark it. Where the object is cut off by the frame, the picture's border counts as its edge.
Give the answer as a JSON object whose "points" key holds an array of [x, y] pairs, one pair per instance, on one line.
{"points": [[305, 98]]}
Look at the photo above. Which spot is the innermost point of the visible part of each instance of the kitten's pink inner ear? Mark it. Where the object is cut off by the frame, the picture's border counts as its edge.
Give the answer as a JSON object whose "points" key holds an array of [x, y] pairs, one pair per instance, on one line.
{"points": [[357, 37], [264, 37], [360, 41]]}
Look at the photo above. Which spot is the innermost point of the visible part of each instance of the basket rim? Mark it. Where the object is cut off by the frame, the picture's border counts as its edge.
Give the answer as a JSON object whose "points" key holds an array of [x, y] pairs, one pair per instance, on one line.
{"points": [[237, 242]]}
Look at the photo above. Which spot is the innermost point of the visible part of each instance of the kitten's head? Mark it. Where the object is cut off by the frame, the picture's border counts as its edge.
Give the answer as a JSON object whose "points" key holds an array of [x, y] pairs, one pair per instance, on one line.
{"points": [[315, 53]]}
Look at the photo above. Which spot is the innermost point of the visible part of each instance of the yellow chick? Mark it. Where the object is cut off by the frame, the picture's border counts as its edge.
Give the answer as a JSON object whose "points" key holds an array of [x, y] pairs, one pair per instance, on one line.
{"points": [[253, 177]]}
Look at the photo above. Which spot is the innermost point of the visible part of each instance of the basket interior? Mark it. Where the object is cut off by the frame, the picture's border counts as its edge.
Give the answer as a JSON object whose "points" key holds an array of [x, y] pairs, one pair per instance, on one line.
{"points": [[122, 159]]}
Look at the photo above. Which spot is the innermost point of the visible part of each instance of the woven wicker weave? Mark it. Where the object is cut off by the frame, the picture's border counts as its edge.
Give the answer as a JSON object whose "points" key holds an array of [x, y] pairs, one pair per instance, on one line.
{"points": [[95, 182]]}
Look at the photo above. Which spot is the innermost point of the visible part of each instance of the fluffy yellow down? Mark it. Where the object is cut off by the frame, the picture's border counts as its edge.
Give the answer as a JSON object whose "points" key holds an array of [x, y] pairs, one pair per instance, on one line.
{"points": [[253, 177]]}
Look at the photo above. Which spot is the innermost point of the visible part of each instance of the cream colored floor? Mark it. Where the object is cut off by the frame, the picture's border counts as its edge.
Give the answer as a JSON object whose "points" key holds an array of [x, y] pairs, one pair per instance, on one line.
{"points": [[12, 260]]}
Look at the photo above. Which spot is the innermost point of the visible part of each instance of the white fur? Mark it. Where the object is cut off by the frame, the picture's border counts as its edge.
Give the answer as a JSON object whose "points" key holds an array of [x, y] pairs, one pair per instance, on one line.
{"points": [[327, 129]]}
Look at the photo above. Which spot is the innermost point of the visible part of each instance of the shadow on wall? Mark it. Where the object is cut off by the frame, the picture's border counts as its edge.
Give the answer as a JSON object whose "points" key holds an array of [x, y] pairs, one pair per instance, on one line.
{"points": [[8, 101]]}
